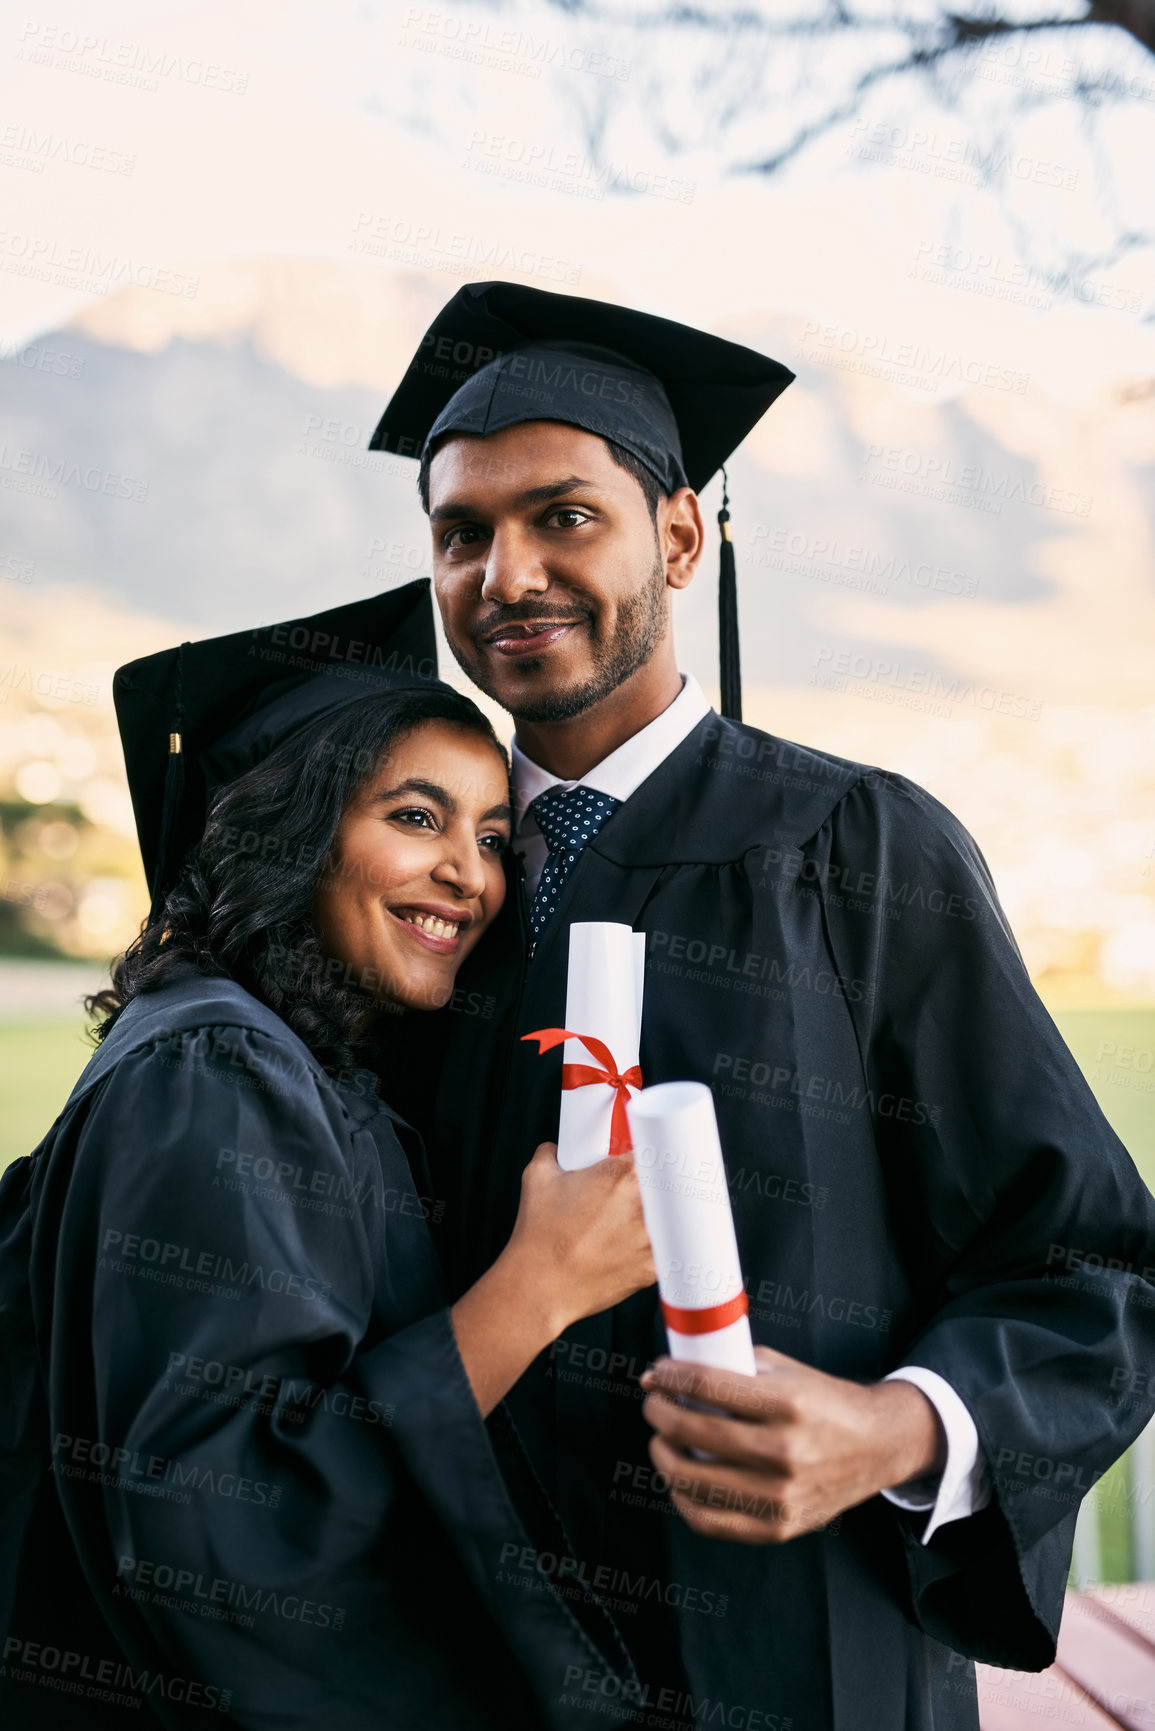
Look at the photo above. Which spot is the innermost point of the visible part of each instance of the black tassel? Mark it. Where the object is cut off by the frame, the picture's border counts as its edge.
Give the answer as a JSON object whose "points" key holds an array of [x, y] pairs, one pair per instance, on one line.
{"points": [[173, 793], [729, 650]]}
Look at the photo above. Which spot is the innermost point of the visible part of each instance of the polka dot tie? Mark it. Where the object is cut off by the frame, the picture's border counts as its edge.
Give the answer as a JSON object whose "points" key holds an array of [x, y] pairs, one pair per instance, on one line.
{"points": [[567, 821]]}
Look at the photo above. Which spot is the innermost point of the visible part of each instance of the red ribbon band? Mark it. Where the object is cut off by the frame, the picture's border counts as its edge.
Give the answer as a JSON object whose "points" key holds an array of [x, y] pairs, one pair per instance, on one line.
{"points": [[581, 1075], [707, 1321]]}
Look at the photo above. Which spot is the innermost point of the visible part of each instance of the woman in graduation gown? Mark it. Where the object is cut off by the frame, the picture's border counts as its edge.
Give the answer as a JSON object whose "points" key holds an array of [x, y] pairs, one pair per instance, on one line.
{"points": [[246, 1467]]}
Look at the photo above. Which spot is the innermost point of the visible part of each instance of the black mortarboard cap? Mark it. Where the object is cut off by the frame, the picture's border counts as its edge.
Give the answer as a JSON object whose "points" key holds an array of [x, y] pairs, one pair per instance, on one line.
{"points": [[679, 399], [195, 717]]}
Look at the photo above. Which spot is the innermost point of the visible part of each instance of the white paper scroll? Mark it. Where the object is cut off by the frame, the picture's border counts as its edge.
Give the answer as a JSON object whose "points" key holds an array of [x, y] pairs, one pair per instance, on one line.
{"points": [[691, 1228], [603, 997]]}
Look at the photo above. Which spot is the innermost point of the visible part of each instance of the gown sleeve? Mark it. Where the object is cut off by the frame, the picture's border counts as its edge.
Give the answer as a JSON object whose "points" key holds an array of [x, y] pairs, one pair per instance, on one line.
{"points": [[1024, 1226], [273, 1488]]}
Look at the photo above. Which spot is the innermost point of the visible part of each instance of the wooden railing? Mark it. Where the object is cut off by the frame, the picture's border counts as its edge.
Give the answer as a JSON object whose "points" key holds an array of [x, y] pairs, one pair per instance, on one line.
{"points": [[1103, 1678], [1104, 1675]]}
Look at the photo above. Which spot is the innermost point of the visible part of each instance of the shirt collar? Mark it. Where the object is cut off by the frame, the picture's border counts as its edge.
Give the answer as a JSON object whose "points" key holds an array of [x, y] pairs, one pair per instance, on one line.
{"points": [[624, 770]]}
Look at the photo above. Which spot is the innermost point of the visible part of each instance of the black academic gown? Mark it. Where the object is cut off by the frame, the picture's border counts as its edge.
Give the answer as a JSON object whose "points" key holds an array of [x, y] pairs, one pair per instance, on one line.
{"points": [[919, 1174], [244, 1474]]}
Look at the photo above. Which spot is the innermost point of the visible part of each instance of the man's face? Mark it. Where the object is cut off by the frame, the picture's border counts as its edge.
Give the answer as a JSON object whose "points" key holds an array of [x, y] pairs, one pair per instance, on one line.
{"points": [[548, 569]]}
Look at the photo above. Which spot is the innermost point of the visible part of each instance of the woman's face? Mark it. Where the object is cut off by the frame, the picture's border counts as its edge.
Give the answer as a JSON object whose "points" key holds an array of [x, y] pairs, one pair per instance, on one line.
{"points": [[416, 876]]}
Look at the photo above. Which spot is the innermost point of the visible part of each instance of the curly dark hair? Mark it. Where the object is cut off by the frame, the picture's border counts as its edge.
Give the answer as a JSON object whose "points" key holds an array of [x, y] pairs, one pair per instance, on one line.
{"points": [[242, 907]]}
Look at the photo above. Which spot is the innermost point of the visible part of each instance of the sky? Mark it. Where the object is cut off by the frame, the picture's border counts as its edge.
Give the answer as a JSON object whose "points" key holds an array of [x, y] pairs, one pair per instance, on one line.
{"points": [[285, 130]]}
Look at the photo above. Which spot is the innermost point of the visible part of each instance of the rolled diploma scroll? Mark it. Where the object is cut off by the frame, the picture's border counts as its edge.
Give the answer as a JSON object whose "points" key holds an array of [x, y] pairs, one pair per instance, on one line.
{"points": [[603, 997], [687, 1207]]}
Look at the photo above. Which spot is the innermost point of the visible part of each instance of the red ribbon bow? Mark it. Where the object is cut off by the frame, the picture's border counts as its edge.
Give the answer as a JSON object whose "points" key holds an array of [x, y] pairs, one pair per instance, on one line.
{"points": [[581, 1075]]}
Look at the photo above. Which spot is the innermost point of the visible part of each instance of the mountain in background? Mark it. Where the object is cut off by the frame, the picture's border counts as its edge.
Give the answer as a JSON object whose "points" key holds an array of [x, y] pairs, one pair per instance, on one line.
{"points": [[229, 432], [955, 583]]}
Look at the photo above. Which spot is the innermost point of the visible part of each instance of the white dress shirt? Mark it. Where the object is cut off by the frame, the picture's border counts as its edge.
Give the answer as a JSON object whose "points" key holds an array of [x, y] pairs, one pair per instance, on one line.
{"points": [[963, 1486]]}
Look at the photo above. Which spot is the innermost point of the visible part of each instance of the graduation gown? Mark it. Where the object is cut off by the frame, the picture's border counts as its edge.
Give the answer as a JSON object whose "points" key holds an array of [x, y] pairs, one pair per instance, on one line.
{"points": [[243, 1470], [919, 1174]]}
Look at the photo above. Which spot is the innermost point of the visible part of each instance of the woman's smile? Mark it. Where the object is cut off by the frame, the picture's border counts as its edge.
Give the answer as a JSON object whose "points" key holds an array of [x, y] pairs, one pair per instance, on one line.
{"points": [[437, 927], [416, 874]]}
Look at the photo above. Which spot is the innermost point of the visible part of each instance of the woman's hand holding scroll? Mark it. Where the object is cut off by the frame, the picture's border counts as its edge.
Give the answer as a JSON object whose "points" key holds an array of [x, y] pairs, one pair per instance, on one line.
{"points": [[578, 1247]]}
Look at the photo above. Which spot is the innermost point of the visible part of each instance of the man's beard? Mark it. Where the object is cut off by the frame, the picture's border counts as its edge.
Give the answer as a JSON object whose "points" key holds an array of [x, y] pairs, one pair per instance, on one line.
{"points": [[640, 623]]}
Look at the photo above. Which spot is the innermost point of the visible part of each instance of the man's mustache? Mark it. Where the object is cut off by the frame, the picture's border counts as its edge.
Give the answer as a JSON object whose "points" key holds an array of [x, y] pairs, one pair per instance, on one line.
{"points": [[526, 614]]}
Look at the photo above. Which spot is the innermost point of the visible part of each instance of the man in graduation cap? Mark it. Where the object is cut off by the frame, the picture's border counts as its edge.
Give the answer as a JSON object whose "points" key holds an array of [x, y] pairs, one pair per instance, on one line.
{"points": [[916, 1164]]}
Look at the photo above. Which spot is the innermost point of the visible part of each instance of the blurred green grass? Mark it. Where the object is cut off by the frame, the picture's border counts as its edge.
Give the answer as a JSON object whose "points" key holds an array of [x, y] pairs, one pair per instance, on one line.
{"points": [[39, 1062], [1114, 1511], [1115, 1049]]}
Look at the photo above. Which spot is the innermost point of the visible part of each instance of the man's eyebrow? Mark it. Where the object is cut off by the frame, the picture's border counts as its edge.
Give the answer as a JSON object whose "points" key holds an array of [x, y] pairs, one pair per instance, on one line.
{"points": [[531, 496], [552, 490], [416, 785]]}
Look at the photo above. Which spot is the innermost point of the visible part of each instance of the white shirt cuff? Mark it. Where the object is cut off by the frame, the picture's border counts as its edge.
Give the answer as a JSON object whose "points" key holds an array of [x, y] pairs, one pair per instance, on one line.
{"points": [[964, 1483]]}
